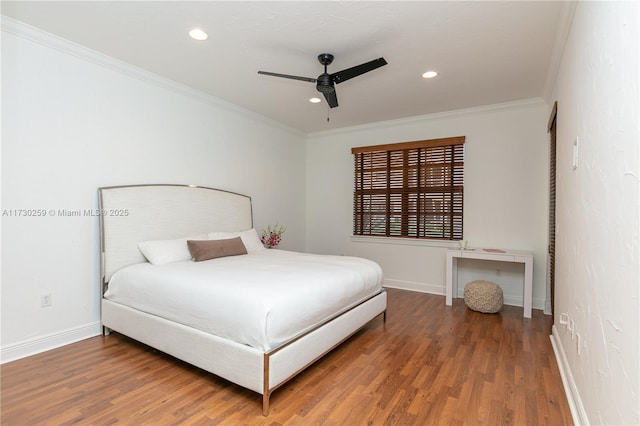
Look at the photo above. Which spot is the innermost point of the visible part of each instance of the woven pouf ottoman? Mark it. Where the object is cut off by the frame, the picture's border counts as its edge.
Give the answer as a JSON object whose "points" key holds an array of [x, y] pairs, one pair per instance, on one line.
{"points": [[483, 296]]}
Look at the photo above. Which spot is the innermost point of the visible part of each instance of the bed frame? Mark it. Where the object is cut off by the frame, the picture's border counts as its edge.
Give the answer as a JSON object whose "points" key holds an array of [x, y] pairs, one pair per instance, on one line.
{"points": [[130, 214]]}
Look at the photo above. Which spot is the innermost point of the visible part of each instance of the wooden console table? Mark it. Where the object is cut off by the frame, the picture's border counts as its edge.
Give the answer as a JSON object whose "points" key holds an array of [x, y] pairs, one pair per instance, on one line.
{"points": [[525, 257]]}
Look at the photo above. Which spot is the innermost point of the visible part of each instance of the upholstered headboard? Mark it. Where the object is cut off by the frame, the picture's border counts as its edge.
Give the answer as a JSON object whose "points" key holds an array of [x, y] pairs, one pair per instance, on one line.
{"points": [[135, 213]]}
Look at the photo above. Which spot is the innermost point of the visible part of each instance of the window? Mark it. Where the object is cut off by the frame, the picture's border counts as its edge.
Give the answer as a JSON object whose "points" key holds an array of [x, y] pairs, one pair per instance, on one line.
{"points": [[410, 189]]}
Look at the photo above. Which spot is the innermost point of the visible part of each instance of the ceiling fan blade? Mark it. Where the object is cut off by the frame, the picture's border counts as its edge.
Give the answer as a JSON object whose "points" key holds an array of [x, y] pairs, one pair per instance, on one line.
{"points": [[293, 77], [349, 73], [331, 98]]}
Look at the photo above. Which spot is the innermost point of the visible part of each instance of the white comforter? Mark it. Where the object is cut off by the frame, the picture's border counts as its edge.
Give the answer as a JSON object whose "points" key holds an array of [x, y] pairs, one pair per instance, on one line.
{"points": [[260, 299]]}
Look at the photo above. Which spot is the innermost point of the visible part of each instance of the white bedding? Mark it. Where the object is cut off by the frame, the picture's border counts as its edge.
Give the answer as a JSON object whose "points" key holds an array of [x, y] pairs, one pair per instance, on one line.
{"points": [[260, 299]]}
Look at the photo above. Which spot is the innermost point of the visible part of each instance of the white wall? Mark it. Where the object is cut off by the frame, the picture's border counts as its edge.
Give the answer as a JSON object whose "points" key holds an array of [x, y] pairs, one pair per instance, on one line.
{"points": [[69, 126], [505, 200], [597, 260]]}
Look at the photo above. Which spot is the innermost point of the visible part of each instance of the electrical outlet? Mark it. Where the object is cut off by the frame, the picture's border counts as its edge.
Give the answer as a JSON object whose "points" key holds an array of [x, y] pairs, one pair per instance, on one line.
{"points": [[564, 318], [45, 300]]}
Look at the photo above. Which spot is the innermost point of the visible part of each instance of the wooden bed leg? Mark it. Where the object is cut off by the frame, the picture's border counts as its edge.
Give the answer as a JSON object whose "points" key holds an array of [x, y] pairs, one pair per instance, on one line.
{"points": [[265, 385]]}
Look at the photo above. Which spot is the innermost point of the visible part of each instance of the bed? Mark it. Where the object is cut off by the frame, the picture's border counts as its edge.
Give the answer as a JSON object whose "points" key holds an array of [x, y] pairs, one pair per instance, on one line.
{"points": [[255, 317]]}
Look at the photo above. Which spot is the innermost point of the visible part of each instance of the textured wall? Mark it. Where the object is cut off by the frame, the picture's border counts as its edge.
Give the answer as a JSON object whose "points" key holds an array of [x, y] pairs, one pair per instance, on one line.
{"points": [[597, 266]]}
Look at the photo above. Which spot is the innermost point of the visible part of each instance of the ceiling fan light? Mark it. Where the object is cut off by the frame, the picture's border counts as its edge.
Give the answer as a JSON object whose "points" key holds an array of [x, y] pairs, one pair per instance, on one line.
{"points": [[315, 100], [198, 34], [429, 74]]}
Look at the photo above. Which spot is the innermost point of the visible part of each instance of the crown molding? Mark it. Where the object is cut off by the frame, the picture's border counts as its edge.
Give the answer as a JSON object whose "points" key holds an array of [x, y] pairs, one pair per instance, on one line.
{"points": [[562, 35], [505, 106], [52, 41], [36, 35]]}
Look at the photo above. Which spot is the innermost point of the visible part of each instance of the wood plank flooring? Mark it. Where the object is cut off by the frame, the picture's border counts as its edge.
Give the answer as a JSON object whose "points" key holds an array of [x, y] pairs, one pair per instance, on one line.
{"points": [[429, 364]]}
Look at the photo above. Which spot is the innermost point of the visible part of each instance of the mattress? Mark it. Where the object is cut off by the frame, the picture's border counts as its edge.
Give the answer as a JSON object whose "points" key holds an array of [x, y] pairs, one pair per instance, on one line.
{"points": [[261, 299]]}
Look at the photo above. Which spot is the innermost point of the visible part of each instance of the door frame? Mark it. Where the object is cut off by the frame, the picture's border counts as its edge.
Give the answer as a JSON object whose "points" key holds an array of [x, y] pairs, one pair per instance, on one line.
{"points": [[551, 247]]}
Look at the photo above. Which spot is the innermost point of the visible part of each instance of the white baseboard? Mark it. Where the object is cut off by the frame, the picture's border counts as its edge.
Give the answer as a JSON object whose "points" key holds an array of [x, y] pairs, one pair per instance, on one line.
{"points": [[45, 343], [440, 290], [517, 301], [413, 286], [578, 412]]}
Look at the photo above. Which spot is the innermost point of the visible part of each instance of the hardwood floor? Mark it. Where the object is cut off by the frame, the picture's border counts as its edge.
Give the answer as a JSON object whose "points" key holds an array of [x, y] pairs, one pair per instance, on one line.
{"points": [[428, 365]]}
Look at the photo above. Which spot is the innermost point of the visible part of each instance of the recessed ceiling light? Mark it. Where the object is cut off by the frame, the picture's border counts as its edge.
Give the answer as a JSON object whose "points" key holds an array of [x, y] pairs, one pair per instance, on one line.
{"points": [[429, 74], [315, 100], [198, 34]]}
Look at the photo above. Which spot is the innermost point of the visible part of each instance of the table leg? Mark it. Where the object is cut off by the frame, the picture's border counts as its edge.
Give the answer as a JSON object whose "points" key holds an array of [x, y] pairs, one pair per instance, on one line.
{"points": [[528, 286], [451, 272]]}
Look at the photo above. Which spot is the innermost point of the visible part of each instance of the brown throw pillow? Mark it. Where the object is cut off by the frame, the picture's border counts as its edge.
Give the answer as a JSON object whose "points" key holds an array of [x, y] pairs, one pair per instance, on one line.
{"points": [[211, 249]]}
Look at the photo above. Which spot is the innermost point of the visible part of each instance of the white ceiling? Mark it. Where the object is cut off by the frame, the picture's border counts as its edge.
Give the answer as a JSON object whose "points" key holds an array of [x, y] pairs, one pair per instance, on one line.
{"points": [[486, 52]]}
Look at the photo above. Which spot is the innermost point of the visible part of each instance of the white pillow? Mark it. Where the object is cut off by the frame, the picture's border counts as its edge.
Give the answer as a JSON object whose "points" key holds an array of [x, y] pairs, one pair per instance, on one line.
{"points": [[159, 252], [249, 238]]}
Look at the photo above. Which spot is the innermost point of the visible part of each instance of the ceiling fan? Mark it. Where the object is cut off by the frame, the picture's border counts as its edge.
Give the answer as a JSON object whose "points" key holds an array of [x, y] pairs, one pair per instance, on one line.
{"points": [[325, 81]]}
